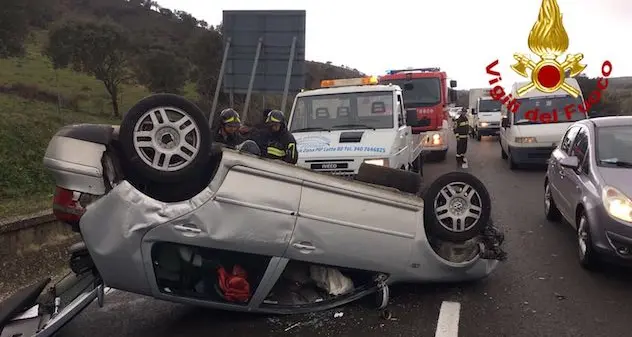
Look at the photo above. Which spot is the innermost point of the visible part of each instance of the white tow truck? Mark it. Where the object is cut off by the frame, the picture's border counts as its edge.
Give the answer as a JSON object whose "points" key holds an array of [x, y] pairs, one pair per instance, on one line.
{"points": [[483, 114], [348, 122]]}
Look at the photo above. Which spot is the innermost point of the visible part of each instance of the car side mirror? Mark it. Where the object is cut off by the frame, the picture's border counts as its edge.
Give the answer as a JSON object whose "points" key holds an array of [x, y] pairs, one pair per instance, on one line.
{"points": [[504, 122], [571, 162], [452, 95], [452, 84]]}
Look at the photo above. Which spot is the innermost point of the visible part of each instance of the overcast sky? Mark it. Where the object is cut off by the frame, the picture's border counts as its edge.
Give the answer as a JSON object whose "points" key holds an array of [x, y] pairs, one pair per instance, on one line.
{"points": [[460, 36]]}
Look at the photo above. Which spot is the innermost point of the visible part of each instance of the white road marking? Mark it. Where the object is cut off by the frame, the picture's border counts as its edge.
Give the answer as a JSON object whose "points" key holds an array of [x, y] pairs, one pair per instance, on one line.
{"points": [[448, 324]]}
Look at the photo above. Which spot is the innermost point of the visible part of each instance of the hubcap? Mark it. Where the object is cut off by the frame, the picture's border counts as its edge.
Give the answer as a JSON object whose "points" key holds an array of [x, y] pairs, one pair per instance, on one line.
{"points": [[166, 139], [458, 207]]}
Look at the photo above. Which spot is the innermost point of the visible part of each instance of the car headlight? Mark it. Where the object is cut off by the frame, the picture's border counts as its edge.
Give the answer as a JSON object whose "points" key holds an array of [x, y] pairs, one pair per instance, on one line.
{"points": [[525, 140], [617, 204], [483, 124], [436, 139], [433, 140], [377, 162]]}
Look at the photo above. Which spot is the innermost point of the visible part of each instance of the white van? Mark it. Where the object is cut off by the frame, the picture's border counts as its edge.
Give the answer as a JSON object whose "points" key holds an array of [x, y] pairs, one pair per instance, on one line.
{"points": [[483, 114], [529, 139], [348, 122]]}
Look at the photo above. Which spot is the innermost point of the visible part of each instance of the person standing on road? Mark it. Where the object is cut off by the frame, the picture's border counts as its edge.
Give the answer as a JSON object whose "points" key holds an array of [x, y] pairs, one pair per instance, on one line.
{"points": [[461, 129], [228, 131], [275, 141]]}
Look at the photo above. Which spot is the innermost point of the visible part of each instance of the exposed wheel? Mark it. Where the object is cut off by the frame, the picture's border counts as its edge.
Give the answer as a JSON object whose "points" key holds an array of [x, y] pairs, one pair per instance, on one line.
{"points": [[404, 181], [551, 211], [165, 138], [586, 252], [503, 154], [457, 207]]}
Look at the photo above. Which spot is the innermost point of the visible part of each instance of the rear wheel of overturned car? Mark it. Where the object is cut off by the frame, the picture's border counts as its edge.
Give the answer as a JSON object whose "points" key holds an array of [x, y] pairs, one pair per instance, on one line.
{"points": [[457, 207], [165, 139]]}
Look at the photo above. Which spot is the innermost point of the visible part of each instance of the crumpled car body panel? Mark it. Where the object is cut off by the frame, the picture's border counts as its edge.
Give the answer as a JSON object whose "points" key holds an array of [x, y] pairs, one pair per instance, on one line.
{"points": [[270, 208]]}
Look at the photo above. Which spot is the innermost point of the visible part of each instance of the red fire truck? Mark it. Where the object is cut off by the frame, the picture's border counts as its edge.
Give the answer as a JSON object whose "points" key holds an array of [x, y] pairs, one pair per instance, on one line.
{"points": [[426, 98]]}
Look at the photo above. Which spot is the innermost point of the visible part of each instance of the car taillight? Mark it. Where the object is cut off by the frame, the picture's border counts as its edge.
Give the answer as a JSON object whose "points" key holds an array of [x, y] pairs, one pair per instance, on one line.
{"points": [[67, 206]]}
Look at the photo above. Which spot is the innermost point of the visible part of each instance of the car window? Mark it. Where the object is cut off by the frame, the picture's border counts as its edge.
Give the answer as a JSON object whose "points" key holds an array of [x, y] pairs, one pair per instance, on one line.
{"points": [[585, 167], [568, 139], [400, 111], [579, 148]]}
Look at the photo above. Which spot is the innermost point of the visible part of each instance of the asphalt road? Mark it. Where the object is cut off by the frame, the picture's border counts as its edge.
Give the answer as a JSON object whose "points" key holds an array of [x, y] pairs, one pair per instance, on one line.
{"points": [[539, 291]]}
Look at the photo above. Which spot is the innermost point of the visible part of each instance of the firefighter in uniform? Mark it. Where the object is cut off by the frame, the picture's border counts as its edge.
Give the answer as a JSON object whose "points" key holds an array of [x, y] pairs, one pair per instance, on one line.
{"points": [[228, 131], [275, 141], [461, 129]]}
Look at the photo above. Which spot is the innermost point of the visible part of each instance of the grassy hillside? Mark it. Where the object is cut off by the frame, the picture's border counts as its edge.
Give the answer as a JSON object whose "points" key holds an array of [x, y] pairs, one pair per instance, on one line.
{"points": [[36, 100]]}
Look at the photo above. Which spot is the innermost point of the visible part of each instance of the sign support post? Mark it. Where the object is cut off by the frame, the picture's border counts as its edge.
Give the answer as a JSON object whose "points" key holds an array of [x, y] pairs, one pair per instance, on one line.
{"points": [[220, 79], [252, 79], [288, 75]]}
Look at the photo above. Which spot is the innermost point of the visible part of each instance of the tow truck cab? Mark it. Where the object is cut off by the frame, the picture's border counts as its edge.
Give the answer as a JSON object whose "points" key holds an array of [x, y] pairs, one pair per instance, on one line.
{"points": [[350, 121], [427, 97]]}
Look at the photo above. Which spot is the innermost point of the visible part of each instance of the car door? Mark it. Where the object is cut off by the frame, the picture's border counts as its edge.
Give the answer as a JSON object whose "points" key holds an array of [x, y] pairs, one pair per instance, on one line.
{"points": [[557, 174], [404, 134], [575, 179], [253, 213], [355, 226]]}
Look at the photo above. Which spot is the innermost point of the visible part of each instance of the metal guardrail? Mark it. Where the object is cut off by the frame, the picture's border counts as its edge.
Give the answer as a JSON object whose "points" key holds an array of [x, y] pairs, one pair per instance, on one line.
{"points": [[18, 223]]}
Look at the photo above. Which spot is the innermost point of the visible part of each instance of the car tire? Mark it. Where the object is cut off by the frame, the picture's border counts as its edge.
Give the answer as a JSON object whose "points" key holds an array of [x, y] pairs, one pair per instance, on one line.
{"points": [[585, 249], [418, 165], [151, 154], [452, 197], [401, 180], [478, 136], [551, 211], [503, 154], [512, 163]]}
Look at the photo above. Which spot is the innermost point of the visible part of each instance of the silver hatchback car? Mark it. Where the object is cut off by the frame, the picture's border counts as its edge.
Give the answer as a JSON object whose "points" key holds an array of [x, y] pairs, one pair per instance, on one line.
{"points": [[589, 184]]}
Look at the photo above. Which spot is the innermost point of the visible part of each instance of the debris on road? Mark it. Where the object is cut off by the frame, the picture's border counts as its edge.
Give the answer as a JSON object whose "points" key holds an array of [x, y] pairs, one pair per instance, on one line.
{"points": [[560, 296], [292, 326], [338, 314]]}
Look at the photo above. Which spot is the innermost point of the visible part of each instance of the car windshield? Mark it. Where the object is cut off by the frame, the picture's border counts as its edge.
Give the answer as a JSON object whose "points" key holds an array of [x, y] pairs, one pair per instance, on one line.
{"points": [[551, 109], [419, 90], [614, 146], [489, 105], [364, 110]]}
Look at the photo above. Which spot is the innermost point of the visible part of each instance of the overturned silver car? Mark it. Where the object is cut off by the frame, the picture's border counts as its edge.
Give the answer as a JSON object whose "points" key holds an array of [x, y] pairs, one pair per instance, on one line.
{"points": [[165, 213]]}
